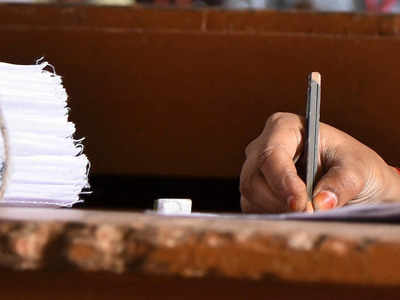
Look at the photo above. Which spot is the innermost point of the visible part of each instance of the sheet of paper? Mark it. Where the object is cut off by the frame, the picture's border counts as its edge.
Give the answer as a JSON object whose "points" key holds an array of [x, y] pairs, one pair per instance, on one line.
{"points": [[359, 212], [356, 213]]}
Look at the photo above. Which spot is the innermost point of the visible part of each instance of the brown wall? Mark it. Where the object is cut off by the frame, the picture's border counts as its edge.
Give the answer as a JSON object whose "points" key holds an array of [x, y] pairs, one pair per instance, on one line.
{"points": [[169, 92]]}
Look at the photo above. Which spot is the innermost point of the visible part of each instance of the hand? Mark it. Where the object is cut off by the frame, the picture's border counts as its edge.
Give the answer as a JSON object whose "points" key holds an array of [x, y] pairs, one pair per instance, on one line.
{"points": [[348, 171]]}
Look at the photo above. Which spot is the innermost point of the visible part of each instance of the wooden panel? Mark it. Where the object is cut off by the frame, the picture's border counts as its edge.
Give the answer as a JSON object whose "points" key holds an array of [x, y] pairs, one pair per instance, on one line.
{"points": [[182, 92]]}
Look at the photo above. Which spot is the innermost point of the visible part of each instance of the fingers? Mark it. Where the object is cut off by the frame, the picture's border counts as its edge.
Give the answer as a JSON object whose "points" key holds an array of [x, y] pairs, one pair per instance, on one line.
{"points": [[260, 196], [269, 180], [256, 197], [337, 187], [281, 177], [283, 143]]}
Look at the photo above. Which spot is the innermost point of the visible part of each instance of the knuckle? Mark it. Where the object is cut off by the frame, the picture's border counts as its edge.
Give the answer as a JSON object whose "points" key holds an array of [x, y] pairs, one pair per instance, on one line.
{"points": [[250, 147], [268, 155], [279, 119], [265, 155]]}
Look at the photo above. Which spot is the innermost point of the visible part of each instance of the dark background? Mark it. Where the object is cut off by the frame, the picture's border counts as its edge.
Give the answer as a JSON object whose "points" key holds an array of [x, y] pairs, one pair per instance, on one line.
{"points": [[133, 193]]}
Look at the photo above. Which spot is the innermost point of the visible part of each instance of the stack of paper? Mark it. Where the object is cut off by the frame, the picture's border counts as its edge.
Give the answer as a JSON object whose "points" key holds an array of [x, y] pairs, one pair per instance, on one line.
{"points": [[47, 167]]}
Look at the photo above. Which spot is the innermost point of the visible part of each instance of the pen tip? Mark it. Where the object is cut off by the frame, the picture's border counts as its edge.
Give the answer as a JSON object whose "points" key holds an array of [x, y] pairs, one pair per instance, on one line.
{"points": [[316, 77]]}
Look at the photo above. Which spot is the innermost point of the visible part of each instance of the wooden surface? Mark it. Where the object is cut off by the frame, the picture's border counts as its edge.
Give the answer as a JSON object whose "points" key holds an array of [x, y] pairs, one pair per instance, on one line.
{"points": [[182, 92], [83, 254], [239, 247]]}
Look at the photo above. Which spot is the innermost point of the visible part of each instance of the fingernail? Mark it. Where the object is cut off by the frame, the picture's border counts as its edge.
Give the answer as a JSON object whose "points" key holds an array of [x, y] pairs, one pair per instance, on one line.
{"points": [[325, 200], [292, 203]]}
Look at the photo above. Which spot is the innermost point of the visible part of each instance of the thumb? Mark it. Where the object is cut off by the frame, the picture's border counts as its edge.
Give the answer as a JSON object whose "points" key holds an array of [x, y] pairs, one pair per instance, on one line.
{"points": [[336, 188]]}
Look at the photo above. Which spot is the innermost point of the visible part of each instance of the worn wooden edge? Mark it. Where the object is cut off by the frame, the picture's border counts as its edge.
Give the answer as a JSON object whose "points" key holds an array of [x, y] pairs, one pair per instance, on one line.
{"points": [[202, 20], [242, 247]]}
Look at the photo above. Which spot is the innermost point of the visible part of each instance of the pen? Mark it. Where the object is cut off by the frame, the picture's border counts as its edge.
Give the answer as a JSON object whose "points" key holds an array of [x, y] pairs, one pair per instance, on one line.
{"points": [[312, 134]]}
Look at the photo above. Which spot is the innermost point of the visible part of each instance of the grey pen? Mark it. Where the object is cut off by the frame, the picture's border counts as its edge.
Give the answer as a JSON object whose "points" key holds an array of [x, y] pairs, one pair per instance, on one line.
{"points": [[312, 134]]}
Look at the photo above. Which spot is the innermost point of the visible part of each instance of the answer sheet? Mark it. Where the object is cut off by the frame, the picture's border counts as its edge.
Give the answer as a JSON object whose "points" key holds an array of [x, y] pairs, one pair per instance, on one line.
{"points": [[389, 213]]}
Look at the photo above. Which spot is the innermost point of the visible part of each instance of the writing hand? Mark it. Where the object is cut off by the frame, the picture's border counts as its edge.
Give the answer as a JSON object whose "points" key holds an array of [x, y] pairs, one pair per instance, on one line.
{"points": [[348, 171]]}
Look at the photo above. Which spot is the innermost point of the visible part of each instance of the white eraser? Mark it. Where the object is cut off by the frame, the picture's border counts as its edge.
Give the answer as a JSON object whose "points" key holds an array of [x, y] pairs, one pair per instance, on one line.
{"points": [[173, 206]]}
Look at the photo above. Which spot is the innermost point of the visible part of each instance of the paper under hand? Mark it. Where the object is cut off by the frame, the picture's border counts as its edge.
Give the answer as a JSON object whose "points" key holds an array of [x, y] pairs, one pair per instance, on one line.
{"points": [[353, 213]]}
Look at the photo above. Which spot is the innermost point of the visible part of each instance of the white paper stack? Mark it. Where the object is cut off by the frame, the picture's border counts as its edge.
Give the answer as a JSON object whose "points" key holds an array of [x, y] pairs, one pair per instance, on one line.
{"points": [[47, 167]]}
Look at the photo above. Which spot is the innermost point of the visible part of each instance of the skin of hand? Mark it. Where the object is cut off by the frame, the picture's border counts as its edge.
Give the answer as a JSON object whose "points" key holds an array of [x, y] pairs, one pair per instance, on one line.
{"points": [[348, 171]]}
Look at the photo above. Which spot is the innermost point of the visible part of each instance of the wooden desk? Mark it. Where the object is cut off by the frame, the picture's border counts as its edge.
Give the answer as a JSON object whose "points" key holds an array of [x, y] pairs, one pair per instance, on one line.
{"points": [[64, 253], [166, 92]]}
